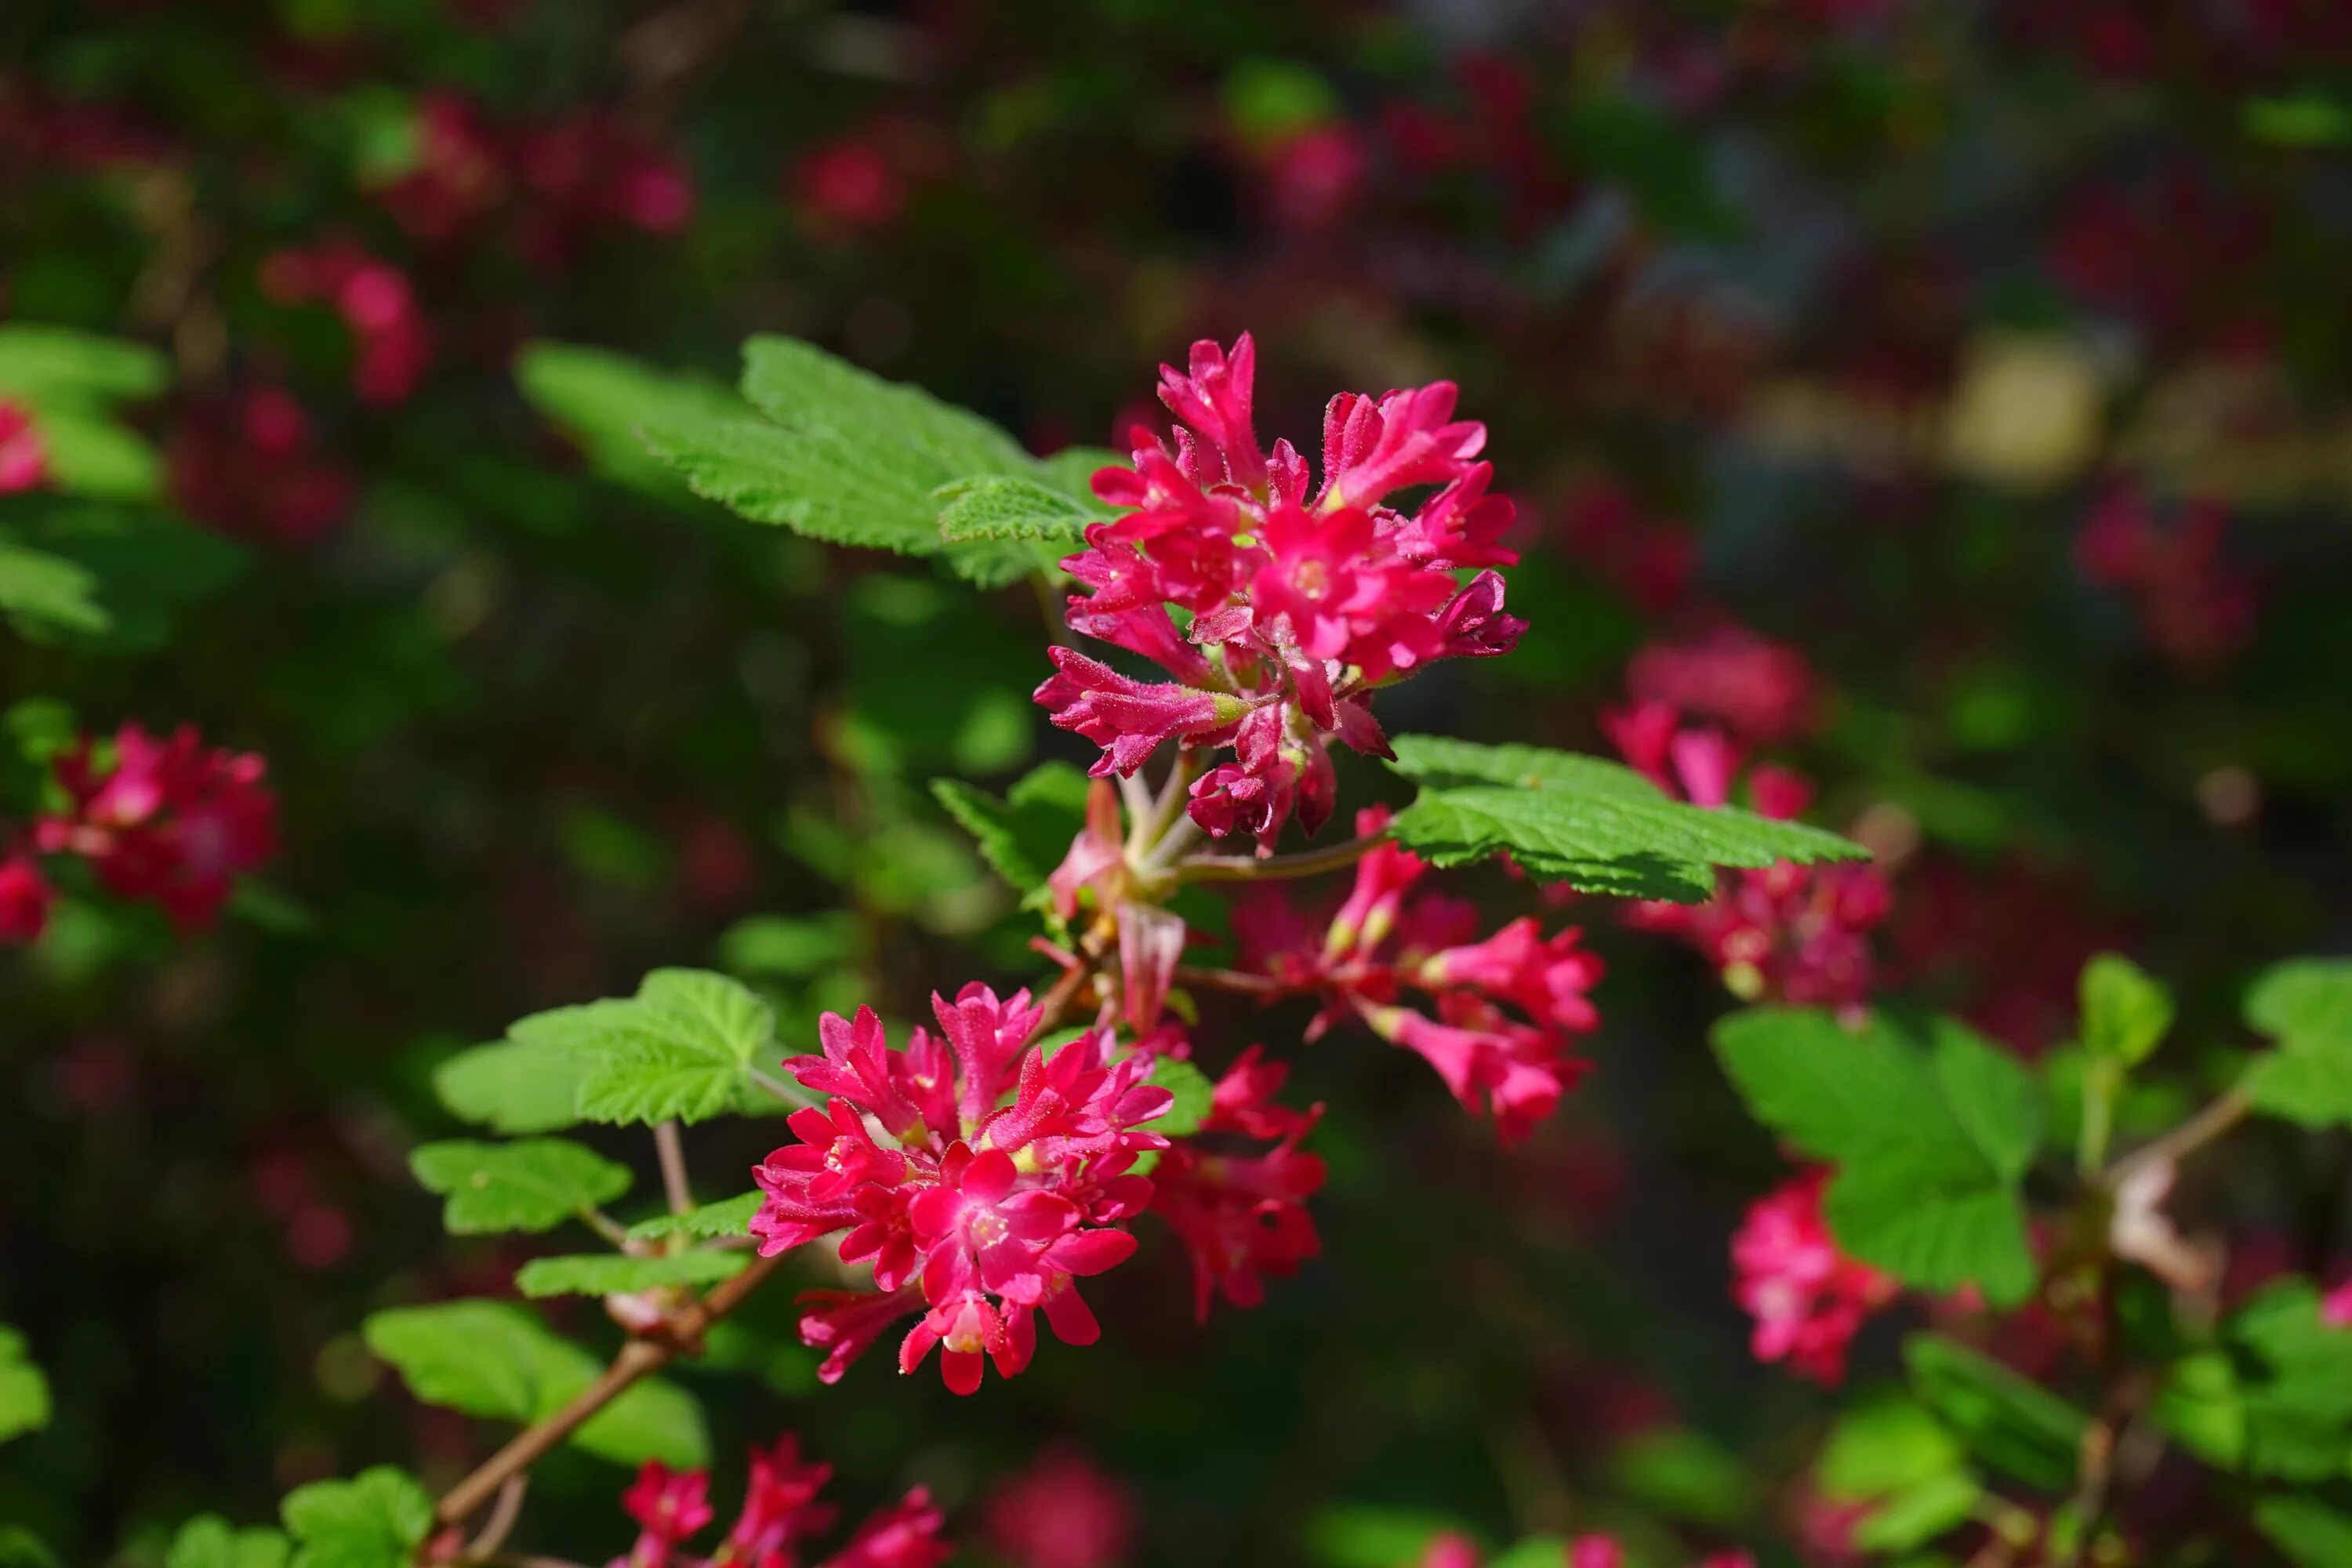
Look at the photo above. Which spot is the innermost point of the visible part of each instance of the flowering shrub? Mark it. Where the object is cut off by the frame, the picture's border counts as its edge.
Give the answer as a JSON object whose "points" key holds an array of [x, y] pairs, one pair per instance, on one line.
{"points": [[1850, 548]]}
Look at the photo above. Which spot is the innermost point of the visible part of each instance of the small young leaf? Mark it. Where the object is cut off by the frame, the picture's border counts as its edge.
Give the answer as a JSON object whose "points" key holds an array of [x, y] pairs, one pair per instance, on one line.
{"points": [[1884, 1447], [2125, 1012], [1919, 1512], [779, 944], [2305, 1004], [1025, 836], [535, 1184], [2311, 1534], [49, 591], [615, 1273], [728, 1217], [24, 1391], [376, 1520], [207, 1541], [60, 367]]}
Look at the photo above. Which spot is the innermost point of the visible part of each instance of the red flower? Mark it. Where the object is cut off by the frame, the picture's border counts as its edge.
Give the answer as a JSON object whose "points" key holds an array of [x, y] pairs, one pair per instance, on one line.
{"points": [[668, 1506], [167, 820], [24, 457], [24, 899], [1809, 1299], [1242, 1216], [1064, 1511]]}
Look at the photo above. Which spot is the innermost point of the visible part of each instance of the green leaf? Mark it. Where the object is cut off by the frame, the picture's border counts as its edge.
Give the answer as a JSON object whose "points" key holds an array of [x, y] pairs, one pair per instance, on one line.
{"points": [[49, 591], [138, 569], [1366, 1536], [207, 1541], [2125, 1012], [24, 1391], [2312, 1534], [678, 1051], [536, 1185], [2298, 120], [2292, 1392], [89, 455], [600, 400], [1194, 1095], [614, 1273], [513, 1086], [495, 1359], [1683, 1474], [54, 366], [728, 1217], [805, 389], [1025, 836], [1886, 1446], [779, 944], [1600, 827], [1928, 1147], [1991, 1096], [2305, 1004], [376, 1520], [996, 507], [2009, 1422], [1919, 1512], [20, 1548]]}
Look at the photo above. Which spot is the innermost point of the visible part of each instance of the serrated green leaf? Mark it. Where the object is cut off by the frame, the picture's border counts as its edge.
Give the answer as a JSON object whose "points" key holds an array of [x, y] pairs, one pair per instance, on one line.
{"points": [[769, 474], [376, 1520], [1919, 1512], [600, 400], [2008, 1421], [2312, 1534], [1929, 1228], [207, 1541], [2125, 1012], [535, 1184], [1195, 1097], [1991, 1096], [728, 1217], [2302, 1001], [983, 508], [1598, 826], [615, 1273], [496, 1358], [678, 1051], [801, 386], [1842, 1093], [1025, 836], [513, 1086], [24, 1391]]}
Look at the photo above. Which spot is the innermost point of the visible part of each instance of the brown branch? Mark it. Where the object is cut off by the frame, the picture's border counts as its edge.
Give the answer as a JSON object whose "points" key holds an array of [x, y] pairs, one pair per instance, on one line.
{"points": [[672, 1151], [1306, 863], [682, 1335], [1229, 980], [2191, 1136], [503, 1514]]}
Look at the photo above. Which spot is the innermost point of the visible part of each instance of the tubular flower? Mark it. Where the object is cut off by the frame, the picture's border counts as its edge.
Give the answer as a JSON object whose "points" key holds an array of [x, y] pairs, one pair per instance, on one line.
{"points": [[1299, 604], [1784, 932], [1809, 1299], [975, 1211], [779, 1514], [165, 820], [1243, 1216], [1501, 1011]]}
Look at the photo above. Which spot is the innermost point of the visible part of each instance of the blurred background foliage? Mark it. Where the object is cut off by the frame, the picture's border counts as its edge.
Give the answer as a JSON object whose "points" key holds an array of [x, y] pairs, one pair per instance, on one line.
{"points": [[1848, 320]]}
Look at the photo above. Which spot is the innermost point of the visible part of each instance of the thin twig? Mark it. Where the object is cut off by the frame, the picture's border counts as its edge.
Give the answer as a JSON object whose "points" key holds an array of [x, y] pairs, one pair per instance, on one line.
{"points": [[789, 1094], [638, 1357], [1306, 863], [605, 1226], [503, 1514], [1229, 980], [673, 1166], [2194, 1134]]}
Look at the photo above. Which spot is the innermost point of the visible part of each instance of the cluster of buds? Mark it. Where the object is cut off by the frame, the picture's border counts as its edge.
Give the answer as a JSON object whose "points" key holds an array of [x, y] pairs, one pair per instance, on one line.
{"points": [[1809, 1299], [1298, 604], [781, 1513], [564, 180], [376, 302], [2195, 606], [1786, 932], [24, 457], [168, 821], [1503, 1010], [250, 465]]}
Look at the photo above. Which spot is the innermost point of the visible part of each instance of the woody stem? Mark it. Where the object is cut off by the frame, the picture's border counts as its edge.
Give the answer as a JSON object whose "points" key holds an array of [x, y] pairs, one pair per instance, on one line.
{"points": [[1306, 863]]}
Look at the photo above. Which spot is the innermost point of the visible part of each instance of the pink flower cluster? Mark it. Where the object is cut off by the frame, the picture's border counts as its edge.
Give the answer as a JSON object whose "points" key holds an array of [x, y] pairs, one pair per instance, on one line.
{"points": [[976, 1214], [1503, 1010], [1064, 1511], [564, 180], [168, 821], [2195, 606], [250, 466], [376, 302], [1794, 933], [24, 457], [1298, 604], [779, 1514], [1809, 1299], [1242, 1216]]}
